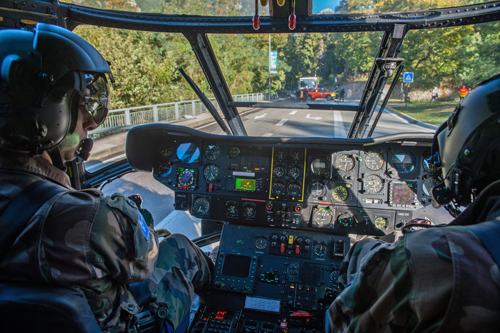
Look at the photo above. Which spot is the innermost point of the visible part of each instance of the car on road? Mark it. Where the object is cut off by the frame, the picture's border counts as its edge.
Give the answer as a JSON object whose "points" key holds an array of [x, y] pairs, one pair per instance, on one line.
{"points": [[283, 188], [314, 93]]}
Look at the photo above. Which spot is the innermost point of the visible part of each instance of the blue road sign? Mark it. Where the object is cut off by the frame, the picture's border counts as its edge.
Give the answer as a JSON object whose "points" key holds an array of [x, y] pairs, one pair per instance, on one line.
{"points": [[407, 77]]}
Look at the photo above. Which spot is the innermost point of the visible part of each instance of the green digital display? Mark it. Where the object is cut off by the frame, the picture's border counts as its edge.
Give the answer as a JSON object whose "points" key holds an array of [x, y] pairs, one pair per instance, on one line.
{"points": [[245, 184]]}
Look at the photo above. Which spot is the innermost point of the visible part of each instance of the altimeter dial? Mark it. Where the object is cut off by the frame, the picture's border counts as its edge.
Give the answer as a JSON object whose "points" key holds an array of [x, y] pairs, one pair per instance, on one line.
{"points": [[201, 206], [373, 184], [345, 162], [317, 190], [211, 172], [374, 161], [322, 217], [340, 193]]}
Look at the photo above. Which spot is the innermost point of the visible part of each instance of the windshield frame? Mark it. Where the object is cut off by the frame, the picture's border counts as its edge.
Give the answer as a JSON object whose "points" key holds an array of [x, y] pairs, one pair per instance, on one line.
{"points": [[197, 28]]}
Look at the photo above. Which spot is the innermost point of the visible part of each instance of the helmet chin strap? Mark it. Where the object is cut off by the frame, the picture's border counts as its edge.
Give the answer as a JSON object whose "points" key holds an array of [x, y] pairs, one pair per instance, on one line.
{"points": [[55, 156]]}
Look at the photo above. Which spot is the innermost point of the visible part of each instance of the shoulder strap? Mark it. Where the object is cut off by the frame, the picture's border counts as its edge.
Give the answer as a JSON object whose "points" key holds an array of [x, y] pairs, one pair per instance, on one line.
{"points": [[21, 209], [489, 234]]}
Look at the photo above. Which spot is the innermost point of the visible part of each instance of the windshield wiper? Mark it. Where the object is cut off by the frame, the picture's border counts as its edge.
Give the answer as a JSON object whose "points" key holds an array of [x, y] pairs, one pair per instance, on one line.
{"points": [[206, 102]]}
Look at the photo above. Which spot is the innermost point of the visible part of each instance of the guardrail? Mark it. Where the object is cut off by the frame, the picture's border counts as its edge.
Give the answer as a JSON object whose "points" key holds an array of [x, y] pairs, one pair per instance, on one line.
{"points": [[127, 117]]}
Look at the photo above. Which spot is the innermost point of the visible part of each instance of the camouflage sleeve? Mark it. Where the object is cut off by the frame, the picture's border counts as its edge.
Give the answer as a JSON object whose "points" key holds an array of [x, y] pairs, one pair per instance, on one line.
{"points": [[400, 287], [182, 270], [122, 245], [376, 285]]}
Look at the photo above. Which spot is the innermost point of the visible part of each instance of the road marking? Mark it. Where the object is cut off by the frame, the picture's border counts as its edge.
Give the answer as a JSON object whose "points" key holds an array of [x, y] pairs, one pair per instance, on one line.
{"points": [[338, 125], [268, 134], [293, 112], [313, 118], [101, 163], [282, 121], [261, 116]]}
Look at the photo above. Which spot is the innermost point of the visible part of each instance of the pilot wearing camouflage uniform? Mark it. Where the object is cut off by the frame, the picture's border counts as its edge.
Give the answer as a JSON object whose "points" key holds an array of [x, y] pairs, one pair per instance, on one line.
{"points": [[54, 88], [444, 278]]}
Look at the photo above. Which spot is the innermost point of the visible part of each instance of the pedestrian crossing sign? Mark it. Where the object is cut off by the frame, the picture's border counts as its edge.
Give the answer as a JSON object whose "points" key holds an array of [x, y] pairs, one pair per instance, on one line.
{"points": [[407, 77]]}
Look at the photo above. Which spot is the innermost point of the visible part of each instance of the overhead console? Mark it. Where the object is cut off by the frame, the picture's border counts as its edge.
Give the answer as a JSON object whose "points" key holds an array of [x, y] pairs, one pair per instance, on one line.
{"points": [[338, 186]]}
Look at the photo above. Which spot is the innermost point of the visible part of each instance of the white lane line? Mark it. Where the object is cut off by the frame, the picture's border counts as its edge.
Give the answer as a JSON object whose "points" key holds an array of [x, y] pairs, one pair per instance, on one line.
{"points": [[338, 125], [268, 134], [119, 157], [261, 116], [293, 112], [99, 164], [313, 118], [282, 122]]}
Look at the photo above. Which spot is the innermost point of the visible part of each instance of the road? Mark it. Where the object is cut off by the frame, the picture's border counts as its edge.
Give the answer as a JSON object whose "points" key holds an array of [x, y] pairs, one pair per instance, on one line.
{"points": [[264, 122]]}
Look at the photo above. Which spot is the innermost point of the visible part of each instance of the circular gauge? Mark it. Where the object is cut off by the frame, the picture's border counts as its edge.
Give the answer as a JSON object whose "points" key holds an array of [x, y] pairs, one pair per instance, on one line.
{"points": [[296, 156], [294, 173], [403, 162], [278, 189], [320, 250], [322, 217], [234, 152], [280, 154], [249, 211], [211, 172], [212, 152], [428, 184], [428, 166], [346, 220], [381, 222], [201, 206], [261, 243], [374, 161], [232, 209], [294, 189], [279, 171], [185, 178], [345, 162], [340, 193], [319, 167], [373, 184], [167, 152], [188, 152], [317, 190]]}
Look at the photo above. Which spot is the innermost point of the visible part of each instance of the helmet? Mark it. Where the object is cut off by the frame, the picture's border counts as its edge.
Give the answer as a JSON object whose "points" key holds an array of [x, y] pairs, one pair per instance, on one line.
{"points": [[43, 75], [467, 146]]}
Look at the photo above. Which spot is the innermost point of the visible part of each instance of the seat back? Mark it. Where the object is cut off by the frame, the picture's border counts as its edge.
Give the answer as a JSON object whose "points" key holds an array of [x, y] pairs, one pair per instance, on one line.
{"points": [[28, 307]]}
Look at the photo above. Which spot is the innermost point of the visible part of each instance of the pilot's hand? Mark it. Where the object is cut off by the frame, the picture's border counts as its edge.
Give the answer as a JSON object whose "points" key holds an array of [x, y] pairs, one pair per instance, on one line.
{"points": [[137, 199], [148, 217]]}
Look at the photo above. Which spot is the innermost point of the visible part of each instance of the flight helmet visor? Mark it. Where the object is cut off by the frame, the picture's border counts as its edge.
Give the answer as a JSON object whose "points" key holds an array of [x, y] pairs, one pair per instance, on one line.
{"points": [[97, 96]]}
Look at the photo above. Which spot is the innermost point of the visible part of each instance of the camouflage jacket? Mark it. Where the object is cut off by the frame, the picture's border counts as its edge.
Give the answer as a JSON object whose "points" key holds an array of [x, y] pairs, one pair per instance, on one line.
{"points": [[82, 238], [440, 279]]}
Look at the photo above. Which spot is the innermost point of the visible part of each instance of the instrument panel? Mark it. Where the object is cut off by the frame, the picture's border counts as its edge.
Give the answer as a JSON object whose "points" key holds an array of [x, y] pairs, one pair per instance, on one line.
{"points": [[356, 186], [265, 278]]}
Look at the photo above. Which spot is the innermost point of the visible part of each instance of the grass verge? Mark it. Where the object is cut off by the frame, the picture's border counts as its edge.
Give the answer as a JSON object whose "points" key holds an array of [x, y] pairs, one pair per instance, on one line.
{"points": [[434, 113]]}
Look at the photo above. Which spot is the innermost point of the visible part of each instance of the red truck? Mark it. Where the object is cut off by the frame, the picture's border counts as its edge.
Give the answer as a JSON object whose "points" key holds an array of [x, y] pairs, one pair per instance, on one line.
{"points": [[314, 93]]}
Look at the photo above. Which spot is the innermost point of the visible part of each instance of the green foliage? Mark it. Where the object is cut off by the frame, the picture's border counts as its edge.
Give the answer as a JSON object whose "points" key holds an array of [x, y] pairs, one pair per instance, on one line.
{"points": [[434, 113], [145, 63], [445, 57]]}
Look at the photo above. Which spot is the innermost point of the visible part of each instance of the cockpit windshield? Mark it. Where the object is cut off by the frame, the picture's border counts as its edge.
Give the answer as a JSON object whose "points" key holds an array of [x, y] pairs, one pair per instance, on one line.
{"points": [[180, 7], [332, 7], [247, 7], [326, 69]]}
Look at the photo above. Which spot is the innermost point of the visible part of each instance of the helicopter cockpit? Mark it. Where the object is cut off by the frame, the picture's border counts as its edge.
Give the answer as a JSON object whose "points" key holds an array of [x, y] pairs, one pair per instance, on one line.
{"points": [[285, 207]]}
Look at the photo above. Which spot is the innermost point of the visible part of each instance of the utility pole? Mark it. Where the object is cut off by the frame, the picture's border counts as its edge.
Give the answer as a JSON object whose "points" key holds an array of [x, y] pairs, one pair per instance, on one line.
{"points": [[269, 67]]}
